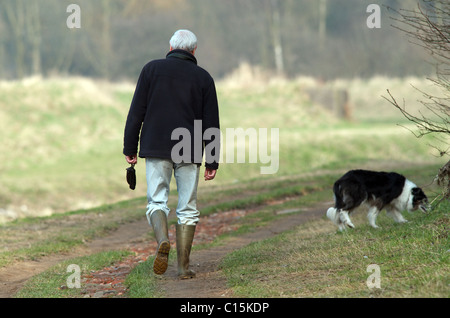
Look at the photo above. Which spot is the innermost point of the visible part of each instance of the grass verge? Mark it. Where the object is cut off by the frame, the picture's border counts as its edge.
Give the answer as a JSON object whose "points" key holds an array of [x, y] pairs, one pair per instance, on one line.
{"points": [[315, 261], [53, 283], [35, 237]]}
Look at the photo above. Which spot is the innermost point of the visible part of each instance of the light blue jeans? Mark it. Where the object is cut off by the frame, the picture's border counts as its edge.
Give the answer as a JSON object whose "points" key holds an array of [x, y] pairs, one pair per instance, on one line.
{"points": [[159, 174]]}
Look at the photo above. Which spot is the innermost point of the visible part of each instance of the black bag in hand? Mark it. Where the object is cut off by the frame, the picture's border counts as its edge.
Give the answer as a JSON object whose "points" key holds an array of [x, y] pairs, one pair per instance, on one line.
{"points": [[131, 177]]}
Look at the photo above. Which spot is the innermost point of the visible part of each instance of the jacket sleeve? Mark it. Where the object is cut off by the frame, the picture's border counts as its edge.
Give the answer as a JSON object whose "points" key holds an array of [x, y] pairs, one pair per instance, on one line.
{"points": [[136, 115], [211, 120]]}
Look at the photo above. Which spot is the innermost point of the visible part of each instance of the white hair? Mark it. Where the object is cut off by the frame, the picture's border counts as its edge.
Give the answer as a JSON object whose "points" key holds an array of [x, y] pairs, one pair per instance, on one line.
{"points": [[184, 40]]}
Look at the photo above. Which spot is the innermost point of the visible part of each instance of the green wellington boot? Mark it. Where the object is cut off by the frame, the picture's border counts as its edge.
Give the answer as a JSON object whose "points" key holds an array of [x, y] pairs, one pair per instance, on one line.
{"points": [[185, 236], [159, 223]]}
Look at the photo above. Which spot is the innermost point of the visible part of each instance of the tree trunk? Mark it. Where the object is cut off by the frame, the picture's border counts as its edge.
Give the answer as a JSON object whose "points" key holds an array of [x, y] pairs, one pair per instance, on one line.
{"points": [[322, 23], [34, 31], [106, 39], [15, 14], [276, 36]]}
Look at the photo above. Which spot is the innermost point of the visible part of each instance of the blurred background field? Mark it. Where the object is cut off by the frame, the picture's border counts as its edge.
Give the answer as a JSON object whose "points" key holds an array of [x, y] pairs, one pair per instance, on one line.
{"points": [[312, 69], [62, 137]]}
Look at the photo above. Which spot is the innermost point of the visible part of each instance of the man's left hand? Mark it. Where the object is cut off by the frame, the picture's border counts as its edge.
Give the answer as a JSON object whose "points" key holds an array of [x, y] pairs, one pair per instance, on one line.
{"points": [[132, 160]]}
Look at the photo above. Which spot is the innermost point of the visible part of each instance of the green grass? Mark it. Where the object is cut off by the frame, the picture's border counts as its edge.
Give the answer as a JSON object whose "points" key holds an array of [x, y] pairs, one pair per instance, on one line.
{"points": [[315, 261], [35, 237], [141, 283]]}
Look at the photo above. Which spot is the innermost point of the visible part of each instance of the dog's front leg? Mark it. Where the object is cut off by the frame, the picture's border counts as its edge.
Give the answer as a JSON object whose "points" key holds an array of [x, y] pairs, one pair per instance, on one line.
{"points": [[396, 215], [372, 216]]}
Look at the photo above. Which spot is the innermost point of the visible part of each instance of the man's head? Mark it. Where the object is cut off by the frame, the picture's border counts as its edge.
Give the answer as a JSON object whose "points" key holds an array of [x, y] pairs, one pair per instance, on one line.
{"points": [[183, 40]]}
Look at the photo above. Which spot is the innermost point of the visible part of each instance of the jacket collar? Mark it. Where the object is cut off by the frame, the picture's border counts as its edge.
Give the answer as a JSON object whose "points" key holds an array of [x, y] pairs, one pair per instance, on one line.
{"points": [[181, 54]]}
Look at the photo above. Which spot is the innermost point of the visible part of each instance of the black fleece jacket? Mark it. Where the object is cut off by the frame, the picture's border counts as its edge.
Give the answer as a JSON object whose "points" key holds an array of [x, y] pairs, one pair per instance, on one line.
{"points": [[171, 93]]}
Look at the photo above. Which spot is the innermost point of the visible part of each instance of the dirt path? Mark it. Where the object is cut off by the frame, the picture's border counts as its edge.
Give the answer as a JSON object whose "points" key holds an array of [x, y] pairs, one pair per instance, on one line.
{"points": [[14, 276], [210, 282]]}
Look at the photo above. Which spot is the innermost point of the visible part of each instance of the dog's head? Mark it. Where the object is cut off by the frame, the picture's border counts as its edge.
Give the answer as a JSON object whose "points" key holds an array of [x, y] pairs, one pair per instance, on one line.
{"points": [[419, 200]]}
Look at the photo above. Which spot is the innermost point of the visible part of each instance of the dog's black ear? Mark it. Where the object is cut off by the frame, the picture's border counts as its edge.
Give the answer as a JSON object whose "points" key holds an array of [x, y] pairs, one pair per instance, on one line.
{"points": [[418, 194]]}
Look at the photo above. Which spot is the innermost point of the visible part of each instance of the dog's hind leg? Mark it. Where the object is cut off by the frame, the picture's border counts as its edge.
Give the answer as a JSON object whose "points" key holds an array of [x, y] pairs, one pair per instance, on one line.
{"points": [[342, 227], [372, 216], [345, 219]]}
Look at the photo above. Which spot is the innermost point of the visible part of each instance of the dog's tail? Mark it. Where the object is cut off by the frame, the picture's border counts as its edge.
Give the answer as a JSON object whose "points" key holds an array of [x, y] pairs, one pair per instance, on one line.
{"points": [[338, 197]]}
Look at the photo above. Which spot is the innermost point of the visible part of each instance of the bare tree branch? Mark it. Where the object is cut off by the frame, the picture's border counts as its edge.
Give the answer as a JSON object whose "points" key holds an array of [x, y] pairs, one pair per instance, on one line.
{"points": [[432, 29]]}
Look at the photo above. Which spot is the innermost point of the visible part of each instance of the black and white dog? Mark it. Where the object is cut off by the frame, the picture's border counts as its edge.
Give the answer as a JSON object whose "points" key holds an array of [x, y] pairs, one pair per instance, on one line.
{"points": [[378, 190]]}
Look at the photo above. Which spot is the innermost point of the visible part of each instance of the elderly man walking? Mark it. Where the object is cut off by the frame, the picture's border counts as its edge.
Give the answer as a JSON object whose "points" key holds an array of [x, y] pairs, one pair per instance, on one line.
{"points": [[173, 93]]}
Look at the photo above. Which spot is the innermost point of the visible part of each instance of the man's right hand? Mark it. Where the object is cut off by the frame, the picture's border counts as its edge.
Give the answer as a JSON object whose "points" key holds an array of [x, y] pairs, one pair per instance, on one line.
{"points": [[210, 174], [132, 160]]}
